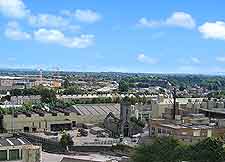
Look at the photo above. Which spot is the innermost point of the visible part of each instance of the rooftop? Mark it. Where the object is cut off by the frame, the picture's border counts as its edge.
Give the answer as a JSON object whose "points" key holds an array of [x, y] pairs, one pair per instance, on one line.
{"points": [[97, 109], [11, 141]]}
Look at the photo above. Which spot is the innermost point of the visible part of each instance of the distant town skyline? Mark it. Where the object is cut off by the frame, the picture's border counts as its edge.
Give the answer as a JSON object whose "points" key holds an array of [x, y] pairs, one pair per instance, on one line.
{"points": [[113, 36]]}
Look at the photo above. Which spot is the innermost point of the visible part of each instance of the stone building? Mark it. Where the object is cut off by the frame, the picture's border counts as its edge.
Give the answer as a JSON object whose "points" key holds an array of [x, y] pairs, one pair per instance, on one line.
{"points": [[19, 150], [124, 125], [38, 120]]}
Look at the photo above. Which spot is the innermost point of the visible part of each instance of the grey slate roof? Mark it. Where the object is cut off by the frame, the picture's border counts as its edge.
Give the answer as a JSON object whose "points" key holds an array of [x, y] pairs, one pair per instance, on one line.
{"points": [[11, 141], [97, 109]]}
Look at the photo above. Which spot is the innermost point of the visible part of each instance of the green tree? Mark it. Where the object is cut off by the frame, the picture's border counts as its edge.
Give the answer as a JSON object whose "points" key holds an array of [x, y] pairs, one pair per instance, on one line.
{"points": [[66, 140], [161, 150], [133, 100], [27, 105], [182, 87], [66, 83], [123, 86], [168, 149], [47, 95], [72, 90], [208, 150]]}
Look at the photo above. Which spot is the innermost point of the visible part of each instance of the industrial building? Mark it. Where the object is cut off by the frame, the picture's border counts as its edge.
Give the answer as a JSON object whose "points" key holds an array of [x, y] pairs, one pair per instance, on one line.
{"points": [[20, 100], [187, 119], [57, 119], [19, 150]]}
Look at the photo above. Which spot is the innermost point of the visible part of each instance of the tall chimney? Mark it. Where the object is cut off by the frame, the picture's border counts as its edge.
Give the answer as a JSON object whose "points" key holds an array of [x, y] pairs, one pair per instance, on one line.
{"points": [[174, 103]]}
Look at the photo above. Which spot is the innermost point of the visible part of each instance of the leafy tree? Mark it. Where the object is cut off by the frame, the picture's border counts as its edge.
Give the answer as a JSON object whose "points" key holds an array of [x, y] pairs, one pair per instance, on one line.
{"points": [[208, 150], [133, 100], [66, 83], [162, 150], [123, 86], [72, 90], [27, 105], [108, 100], [182, 87], [66, 140], [168, 149], [137, 122], [47, 95]]}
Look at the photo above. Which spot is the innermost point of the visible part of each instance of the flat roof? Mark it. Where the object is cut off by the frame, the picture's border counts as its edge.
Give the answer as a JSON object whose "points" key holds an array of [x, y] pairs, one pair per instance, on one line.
{"points": [[173, 126], [221, 111]]}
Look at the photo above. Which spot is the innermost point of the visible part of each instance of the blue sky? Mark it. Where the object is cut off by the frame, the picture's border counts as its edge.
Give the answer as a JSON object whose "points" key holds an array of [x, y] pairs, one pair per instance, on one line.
{"points": [[126, 36]]}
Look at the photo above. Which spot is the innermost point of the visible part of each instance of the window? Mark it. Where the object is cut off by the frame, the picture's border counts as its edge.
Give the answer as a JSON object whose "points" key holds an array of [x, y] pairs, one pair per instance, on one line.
{"points": [[196, 133], [159, 130], [169, 132], [14, 154], [3, 155], [74, 123]]}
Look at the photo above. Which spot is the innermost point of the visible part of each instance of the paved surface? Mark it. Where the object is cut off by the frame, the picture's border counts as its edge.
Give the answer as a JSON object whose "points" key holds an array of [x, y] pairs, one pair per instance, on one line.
{"points": [[47, 157], [79, 141]]}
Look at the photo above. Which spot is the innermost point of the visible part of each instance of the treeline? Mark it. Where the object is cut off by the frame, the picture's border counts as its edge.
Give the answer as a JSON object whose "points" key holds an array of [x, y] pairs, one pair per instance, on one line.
{"points": [[217, 94], [167, 149], [206, 81]]}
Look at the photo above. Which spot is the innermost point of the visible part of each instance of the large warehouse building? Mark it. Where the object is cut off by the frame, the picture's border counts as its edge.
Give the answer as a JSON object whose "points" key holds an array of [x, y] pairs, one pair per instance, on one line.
{"points": [[58, 119]]}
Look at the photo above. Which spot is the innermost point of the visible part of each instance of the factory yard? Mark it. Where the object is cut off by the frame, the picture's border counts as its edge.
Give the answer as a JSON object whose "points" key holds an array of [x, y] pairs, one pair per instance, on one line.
{"points": [[90, 139]]}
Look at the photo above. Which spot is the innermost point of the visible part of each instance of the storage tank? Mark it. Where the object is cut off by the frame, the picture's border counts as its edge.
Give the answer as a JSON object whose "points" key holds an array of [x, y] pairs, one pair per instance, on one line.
{"points": [[32, 153]]}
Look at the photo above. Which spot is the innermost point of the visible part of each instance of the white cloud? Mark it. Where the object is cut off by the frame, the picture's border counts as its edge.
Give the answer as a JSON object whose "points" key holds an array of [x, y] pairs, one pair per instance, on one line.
{"points": [[13, 8], [177, 19], [14, 32], [213, 30], [42, 20], [145, 59], [57, 37], [47, 27], [144, 22], [181, 19], [220, 59], [51, 21], [87, 16], [195, 60]]}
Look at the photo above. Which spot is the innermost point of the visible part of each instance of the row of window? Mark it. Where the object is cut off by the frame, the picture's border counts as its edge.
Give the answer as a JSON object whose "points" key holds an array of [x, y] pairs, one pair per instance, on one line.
{"points": [[160, 131], [13, 155]]}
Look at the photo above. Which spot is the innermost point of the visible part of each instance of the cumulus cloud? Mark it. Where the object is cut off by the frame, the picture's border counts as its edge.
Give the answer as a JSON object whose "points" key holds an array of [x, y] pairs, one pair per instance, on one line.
{"points": [[42, 20], [13, 8], [177, 19], [146, 59], [213, 30], [88, 16], [51, 21], [57, 37], [181, 19], [47, 28], [14, 32], [144, 22]]}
